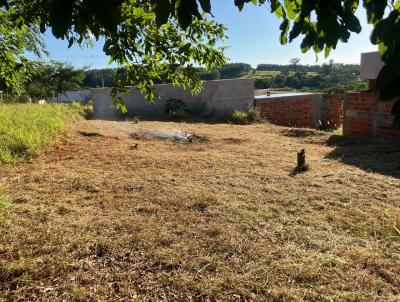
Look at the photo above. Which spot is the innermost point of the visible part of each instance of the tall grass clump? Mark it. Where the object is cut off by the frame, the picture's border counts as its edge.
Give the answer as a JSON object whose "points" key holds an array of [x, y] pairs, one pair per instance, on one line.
{"points": [[250, 115], [26, 129]]}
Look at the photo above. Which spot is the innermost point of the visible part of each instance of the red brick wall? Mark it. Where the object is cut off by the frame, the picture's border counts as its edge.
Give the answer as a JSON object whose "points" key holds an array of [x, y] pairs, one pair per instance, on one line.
{"points": [[302, 111], [285, 112], [334, 110], [365, 115]]}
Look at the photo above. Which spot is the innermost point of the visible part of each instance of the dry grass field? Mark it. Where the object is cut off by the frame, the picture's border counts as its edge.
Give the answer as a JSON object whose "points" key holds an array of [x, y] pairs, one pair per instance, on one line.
{"points": [[97, 219]]}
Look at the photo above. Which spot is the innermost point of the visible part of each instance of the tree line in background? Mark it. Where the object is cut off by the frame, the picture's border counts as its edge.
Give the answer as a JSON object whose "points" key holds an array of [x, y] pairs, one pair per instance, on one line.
{"points": [[330, 77], [50, 80], [47, 81]]}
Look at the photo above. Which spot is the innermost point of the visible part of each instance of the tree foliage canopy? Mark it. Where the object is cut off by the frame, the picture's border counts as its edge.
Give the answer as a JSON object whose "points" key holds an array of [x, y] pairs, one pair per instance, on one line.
{"points": [[164, 38], [53, 79], [15, 39]]}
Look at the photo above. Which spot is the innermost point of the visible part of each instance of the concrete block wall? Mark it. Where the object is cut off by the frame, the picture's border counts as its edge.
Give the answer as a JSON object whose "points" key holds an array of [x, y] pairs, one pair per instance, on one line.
{"points": [[371, 65], [305, 111], [217, 99], [365, 115]]}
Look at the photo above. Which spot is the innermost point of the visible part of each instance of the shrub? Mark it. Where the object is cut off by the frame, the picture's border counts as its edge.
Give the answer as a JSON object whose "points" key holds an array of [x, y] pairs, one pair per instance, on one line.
{"points": [[239, 117], [175, 108], [10, 99], [251, 114]]}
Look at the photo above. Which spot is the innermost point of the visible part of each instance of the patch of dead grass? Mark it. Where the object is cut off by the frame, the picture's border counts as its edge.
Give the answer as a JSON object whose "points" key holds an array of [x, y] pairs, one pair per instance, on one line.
{"points": [[221, 221]]}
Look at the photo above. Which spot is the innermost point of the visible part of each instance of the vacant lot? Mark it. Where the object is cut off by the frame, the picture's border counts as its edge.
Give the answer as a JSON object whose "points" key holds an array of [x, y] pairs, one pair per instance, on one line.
{"points": [[98, 218]]}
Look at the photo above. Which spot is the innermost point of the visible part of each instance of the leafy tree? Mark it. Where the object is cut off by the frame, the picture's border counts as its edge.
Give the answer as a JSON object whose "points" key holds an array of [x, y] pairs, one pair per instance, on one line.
{"points": [[65, 77], [234, 70], [16, 39], [210, 75], [294, 62], [53, 80], [99, 78]]}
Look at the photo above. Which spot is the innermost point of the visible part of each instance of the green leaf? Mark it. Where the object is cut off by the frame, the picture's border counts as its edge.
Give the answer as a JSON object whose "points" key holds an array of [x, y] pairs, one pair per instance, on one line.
{"points": [[296, 29], [382, 48], [277, 9], [283, 39], [162, 10], [61, 17], [186, 9], [375, 9], [240, 3], [290, 6], [205, 5], [352, 22], [351, 5], [387, 81], [327, 51]]}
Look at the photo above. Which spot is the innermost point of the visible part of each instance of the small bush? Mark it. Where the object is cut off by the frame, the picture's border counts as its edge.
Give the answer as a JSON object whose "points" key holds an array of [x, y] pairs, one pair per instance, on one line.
{"points": [[239, 117], [250, 115], [253, 114], [11, 99], [176, 108]]}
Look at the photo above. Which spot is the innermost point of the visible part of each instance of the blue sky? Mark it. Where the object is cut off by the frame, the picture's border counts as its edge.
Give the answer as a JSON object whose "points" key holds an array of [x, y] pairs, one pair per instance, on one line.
{"points": [[253, 38]]}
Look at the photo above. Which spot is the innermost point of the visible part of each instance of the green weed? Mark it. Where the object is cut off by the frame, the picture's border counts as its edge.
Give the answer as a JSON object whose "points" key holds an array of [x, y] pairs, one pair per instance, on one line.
{"points": [[250, 115]]}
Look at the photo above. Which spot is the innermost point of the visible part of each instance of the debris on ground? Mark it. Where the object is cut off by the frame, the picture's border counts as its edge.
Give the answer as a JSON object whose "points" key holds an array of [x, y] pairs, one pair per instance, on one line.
{"points": [[90, 134], [173, 135], [134, 146]]}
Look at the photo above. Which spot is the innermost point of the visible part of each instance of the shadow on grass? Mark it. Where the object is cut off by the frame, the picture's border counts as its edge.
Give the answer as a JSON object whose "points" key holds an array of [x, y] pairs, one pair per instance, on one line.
{"points": [[372, 155], [301, 133]]}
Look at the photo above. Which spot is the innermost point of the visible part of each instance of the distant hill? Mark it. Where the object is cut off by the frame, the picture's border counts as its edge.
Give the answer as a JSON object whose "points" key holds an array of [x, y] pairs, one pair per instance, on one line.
{"points": [[327, 77]]}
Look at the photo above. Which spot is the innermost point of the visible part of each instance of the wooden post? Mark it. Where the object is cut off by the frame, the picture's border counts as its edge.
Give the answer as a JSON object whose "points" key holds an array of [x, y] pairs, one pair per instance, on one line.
{"points": [[301, 162]]}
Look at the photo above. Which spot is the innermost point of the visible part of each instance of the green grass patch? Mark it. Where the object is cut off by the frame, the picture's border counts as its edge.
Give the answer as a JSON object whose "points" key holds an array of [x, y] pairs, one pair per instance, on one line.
{"points": [[250, 115], [261, 74], [27, 129], [338, 131]]}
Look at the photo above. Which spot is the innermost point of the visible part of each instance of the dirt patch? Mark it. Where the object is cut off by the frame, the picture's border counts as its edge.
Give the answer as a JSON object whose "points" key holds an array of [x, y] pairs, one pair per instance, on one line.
{"points": [[92, 220]]}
